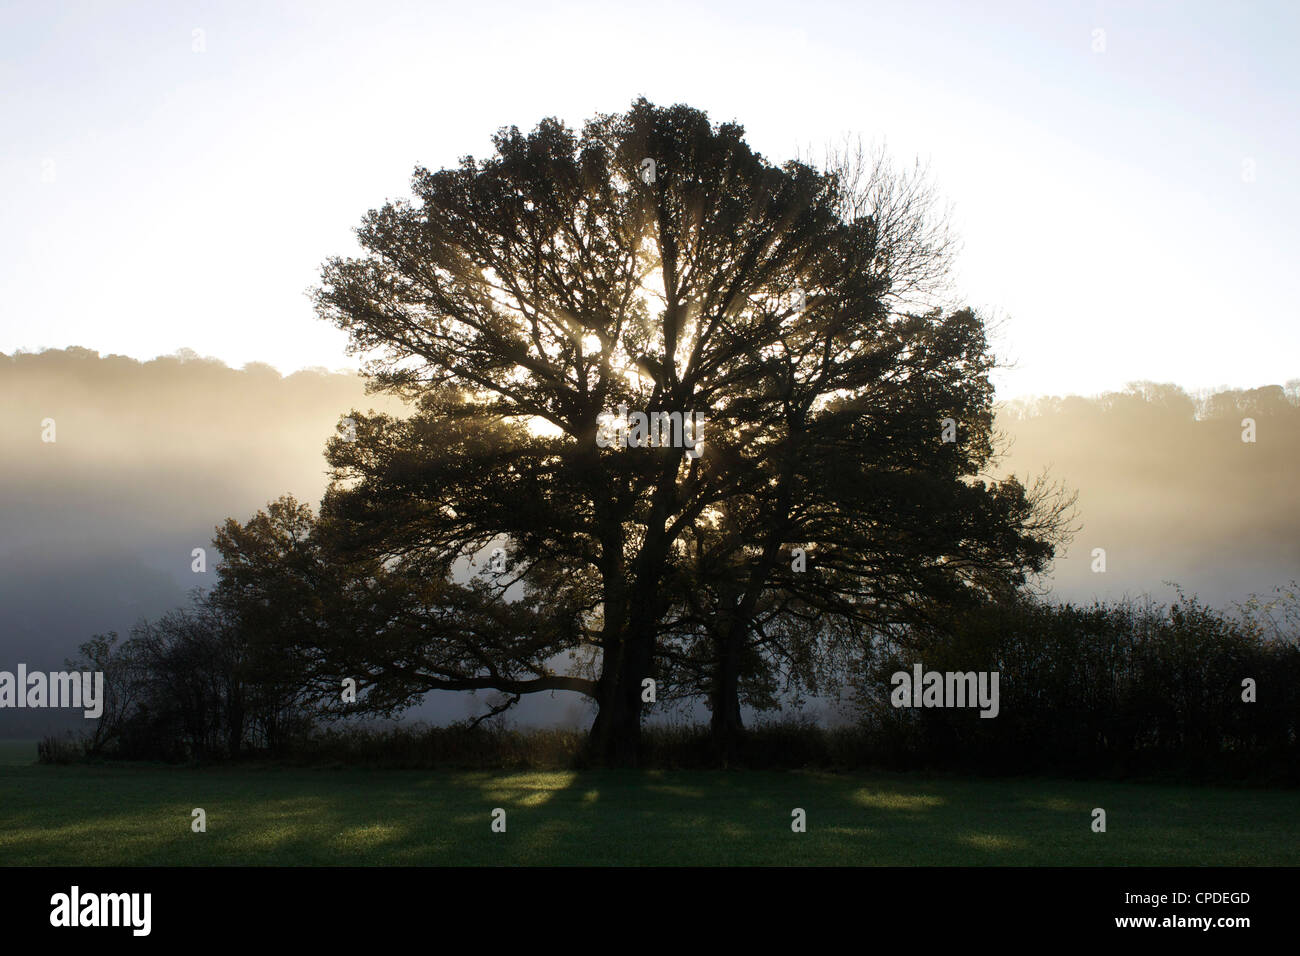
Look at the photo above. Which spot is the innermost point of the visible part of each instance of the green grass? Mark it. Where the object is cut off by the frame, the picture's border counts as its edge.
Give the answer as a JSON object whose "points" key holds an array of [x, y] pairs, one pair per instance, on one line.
{"points": [[95, 815]]}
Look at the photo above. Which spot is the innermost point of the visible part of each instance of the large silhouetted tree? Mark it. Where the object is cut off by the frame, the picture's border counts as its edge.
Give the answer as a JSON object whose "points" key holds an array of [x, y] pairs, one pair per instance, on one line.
{"points": [[653, 261]]}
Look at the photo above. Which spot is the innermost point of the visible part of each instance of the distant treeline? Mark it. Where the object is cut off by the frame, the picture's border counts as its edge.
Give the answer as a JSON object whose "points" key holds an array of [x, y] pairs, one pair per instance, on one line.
{"points": [[1145, 401]]}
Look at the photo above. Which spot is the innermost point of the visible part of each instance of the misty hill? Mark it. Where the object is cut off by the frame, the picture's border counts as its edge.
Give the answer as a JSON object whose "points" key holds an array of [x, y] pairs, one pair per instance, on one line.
{"points": [[1168, 488], [98, 526]]}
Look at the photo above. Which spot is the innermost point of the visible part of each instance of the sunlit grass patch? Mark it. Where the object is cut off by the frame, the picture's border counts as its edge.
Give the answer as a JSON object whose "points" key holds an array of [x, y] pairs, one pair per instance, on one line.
{"points": [[887, 800], [992, 841]]}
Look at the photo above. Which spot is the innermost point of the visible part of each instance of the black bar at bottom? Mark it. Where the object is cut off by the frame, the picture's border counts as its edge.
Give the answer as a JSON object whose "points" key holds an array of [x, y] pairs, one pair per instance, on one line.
{"points": [[336, 906]]}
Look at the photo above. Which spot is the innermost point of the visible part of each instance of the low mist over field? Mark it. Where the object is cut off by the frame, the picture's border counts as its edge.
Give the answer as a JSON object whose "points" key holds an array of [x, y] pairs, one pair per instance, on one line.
{"points": [[97, 527]]}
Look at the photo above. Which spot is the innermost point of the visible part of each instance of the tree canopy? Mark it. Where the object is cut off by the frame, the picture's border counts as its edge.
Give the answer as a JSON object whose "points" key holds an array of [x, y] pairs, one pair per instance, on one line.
{"points": [[655, 262]]}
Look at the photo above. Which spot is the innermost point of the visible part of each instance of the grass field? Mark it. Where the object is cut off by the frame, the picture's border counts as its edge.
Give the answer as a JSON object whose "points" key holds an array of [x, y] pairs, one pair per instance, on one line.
{"points": [[132, 815]]}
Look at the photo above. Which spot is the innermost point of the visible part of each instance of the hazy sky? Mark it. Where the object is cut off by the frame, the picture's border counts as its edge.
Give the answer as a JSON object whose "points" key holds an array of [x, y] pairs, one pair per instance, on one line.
{"points": [[1129, 212]]}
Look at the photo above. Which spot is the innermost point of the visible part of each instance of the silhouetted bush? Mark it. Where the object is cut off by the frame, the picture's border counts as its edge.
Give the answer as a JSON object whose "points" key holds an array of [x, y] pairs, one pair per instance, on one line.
{"points": [[60, 750], [188, 687], [1107, 689]]}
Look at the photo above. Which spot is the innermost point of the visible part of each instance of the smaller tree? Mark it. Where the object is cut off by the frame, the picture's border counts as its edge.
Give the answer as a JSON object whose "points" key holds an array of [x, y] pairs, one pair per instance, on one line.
{"points": [[274, 594]]}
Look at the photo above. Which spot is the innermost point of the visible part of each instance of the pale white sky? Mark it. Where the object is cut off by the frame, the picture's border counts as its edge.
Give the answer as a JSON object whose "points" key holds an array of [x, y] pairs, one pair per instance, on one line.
{"points": [[1128, 213]]}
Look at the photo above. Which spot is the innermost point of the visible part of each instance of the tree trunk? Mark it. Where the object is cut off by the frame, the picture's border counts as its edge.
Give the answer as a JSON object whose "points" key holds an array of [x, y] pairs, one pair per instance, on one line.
{"points": [[615, 739], [727, 727], [633, 614]]}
